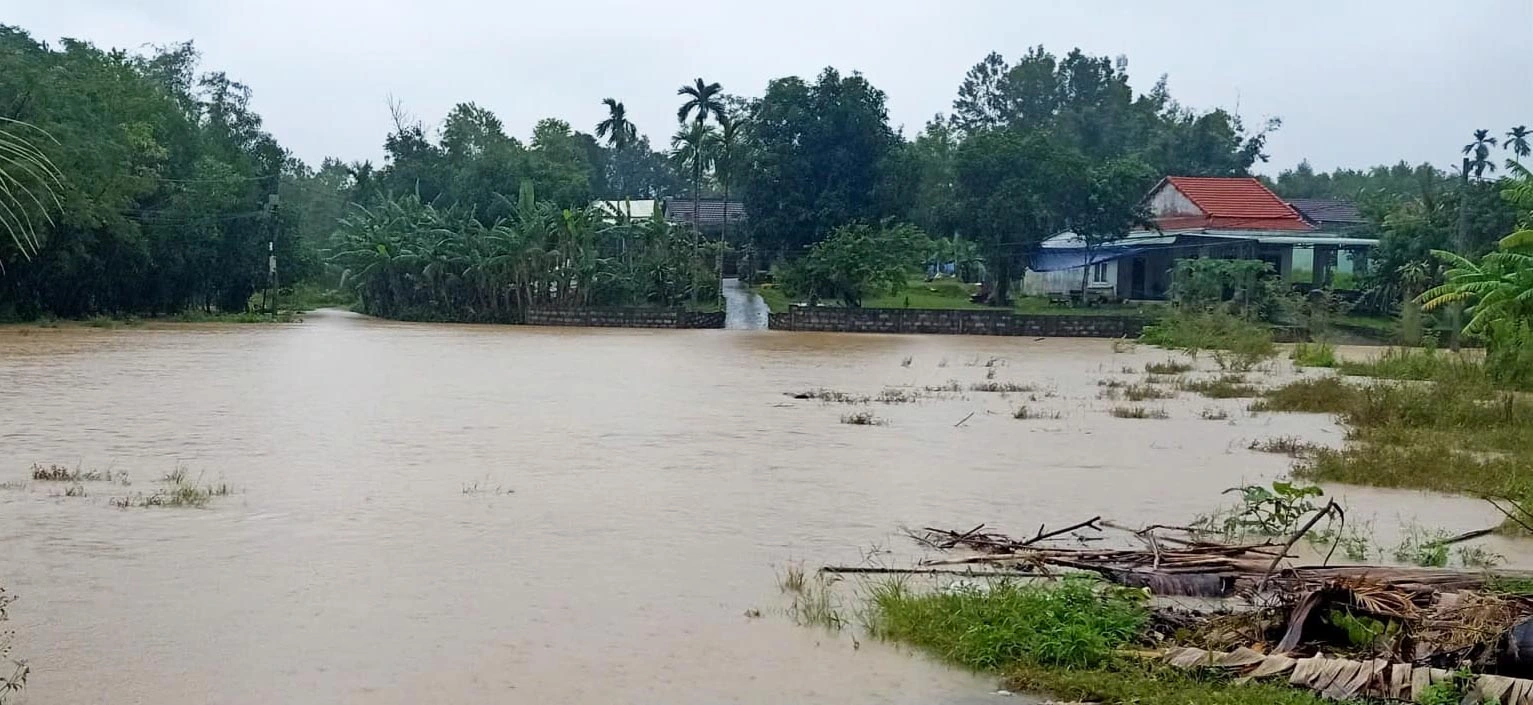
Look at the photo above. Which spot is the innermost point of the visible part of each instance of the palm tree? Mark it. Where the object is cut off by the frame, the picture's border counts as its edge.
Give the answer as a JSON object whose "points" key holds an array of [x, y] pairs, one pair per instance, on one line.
{"points": [[27, 179], [702, 101], [1517, 141], [728, 145], [619, 133], [1478, 152]]}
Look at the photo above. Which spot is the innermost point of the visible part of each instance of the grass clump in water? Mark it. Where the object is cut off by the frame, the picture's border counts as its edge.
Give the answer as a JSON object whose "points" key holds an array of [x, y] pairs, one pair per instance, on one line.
{"points": [[1142, 392], [1023, 413], [1138, 412], [952, 386], [60, 473], [1214, 414], [814, 601], [830, 396], [1002, 387], [863, 418], [1320, 395], [179, 492], [897, 395], [1169, 367], [1229, 386], [1284, 445], [1314, 355], [1411, 363]]}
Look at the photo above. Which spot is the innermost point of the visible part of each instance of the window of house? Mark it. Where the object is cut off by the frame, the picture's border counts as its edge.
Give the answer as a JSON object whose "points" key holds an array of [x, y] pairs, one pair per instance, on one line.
{"points": [[1099, 273]]}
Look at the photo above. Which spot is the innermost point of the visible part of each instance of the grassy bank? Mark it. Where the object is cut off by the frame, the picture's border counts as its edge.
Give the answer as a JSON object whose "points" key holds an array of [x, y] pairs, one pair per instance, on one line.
{"points": [[1451, 428], [952, 294], [1063, 639]]}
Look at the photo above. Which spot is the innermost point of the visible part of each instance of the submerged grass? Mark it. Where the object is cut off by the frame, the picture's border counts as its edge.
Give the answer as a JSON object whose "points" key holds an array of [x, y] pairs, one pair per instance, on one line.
{"points": [[863, 418], [1002, 387], [1169, 367], [1228, 386], [1452, 434], [1142, 392], [179, 492], [1138, 412], [1314, 355]]}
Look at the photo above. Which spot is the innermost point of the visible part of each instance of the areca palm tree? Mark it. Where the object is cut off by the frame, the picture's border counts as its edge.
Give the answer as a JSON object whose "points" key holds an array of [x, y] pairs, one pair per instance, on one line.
{"points": [[620, 134], [703, 100], [29, 184], [1517, 141], [1478, 152], [693, 148]]}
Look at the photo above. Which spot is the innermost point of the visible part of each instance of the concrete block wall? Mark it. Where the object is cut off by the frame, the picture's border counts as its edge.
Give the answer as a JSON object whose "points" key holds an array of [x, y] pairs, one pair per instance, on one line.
{"points": [[623, 318], [954, 322]]}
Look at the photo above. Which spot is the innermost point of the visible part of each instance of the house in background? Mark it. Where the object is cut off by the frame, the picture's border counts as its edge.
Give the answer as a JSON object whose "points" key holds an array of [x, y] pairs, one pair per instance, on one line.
{"points": [[710, 213], [1227, 218], [639, 210]]}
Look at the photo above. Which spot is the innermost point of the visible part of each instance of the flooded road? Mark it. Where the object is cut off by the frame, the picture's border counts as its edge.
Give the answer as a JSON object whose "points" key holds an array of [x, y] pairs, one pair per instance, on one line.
{"points": [[743, 308], [457, 514]]}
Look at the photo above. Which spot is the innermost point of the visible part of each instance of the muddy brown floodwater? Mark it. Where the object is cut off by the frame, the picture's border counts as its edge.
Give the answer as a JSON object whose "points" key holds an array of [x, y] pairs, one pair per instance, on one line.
{"points": [[660, 480]]}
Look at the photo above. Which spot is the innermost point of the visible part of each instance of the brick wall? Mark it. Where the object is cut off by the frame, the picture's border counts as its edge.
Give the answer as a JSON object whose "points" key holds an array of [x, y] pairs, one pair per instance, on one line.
{"points": [[954, 322], [623, 318]]}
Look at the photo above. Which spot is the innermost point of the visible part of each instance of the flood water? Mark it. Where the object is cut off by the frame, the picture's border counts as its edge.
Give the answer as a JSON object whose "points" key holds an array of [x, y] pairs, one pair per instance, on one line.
{"points": [[457, 514]]}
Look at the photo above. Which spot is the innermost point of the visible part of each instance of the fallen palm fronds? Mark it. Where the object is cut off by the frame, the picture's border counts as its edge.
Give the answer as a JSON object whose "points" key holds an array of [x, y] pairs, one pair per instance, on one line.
{"points": [[1345, 679]]}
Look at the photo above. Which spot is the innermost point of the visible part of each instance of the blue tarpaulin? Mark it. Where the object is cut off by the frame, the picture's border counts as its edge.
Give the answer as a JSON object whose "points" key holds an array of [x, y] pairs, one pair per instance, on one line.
{"points": [[1054, 259]]}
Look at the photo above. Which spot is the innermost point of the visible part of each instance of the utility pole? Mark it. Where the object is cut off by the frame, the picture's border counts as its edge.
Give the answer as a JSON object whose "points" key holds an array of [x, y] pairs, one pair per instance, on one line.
{"points": [[271, 252], [1461, 246]]}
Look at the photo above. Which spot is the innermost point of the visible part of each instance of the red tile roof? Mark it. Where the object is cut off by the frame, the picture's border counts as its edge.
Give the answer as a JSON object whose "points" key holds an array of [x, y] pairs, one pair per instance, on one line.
{"points": [[1231, 203]]}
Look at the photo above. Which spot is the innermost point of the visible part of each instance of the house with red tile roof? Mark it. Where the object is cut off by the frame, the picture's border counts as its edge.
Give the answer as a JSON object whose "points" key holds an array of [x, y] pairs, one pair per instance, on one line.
{"points": [[1222, 217]]}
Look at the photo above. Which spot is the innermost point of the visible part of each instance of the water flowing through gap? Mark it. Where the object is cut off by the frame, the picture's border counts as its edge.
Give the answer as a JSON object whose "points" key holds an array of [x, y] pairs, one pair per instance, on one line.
{"points": [[743, 309]]}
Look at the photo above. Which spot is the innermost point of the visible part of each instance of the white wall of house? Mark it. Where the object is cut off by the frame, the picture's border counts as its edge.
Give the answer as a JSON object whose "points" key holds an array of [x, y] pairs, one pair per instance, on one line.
{"points": [[1103, 277], [1170, 202]]}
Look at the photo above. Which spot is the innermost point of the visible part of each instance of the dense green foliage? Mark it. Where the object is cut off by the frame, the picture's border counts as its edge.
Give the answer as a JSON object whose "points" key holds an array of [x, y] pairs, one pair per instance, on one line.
{"points": [[169, 189], [856, 261], [165, 178], [409, 259]]}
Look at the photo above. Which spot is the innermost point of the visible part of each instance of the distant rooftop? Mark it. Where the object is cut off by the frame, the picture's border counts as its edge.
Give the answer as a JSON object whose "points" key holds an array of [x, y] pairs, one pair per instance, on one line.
{"points": [[1228, 203], [1328, 210], [713, 210]]}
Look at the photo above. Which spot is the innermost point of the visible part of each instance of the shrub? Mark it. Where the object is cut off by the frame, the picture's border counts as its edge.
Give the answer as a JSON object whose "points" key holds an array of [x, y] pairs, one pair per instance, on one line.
{"points": [[1195, 332], [1314, 355]]}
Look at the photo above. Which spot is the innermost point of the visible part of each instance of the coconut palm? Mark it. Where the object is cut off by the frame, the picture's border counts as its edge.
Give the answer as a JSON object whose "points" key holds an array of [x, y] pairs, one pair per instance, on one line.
{"points": [[1517, 141], [1478, 152], [29, 184]]}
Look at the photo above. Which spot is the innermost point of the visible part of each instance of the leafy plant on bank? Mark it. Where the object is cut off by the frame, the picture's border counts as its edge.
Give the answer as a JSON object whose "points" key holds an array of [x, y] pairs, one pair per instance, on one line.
{"points": [[856, 261]]}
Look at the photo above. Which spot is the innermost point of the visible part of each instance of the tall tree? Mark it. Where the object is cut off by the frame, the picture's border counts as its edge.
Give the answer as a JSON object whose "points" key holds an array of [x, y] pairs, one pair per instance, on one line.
{"points": [[702, 100], [620, 135], [1478, 152], [819, 156], [1517, 141]]}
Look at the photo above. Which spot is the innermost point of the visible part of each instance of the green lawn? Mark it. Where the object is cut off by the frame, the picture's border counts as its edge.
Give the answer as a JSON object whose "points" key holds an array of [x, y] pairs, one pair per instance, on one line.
{"points": [[952, 294]]}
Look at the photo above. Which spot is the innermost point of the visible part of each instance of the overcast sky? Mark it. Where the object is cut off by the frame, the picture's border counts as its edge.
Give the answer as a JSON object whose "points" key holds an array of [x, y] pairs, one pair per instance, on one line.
{"points": [[1356, 82]]}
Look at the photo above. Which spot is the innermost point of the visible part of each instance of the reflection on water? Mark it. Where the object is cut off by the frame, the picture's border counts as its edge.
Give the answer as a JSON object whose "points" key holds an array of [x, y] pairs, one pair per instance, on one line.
{"points": [[659, 477]]}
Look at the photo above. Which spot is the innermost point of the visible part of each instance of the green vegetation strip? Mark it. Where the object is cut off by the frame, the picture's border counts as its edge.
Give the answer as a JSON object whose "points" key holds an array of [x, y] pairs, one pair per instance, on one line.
{"points": [[1065, 639]]}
